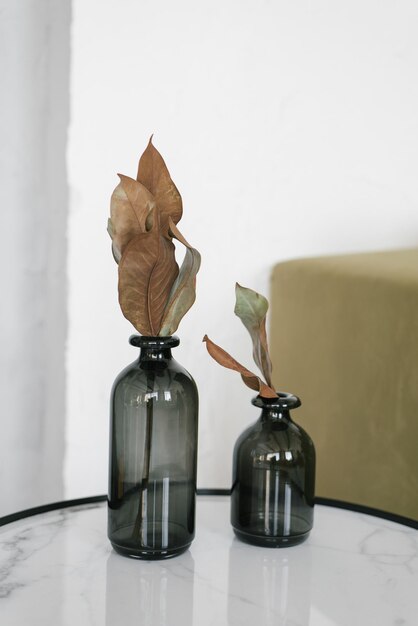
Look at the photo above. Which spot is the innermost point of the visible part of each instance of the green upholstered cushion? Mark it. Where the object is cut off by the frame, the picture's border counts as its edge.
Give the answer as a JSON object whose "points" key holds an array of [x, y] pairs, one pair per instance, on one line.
{"points": [[344, 337]]}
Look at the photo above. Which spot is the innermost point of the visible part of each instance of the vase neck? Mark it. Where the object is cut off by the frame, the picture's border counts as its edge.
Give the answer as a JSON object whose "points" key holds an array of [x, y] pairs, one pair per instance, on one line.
{"points": [[154, 348], [274, 414], [273, 409]]}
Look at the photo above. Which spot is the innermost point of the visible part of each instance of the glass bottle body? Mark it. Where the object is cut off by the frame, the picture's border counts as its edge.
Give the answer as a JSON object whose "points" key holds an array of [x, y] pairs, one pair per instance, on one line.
{"points": [[273, 483], [153, 454]]}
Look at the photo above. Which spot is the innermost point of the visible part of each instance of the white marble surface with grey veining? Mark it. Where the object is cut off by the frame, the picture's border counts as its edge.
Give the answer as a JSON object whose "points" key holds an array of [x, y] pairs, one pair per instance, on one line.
{"points": [[58, 569]]}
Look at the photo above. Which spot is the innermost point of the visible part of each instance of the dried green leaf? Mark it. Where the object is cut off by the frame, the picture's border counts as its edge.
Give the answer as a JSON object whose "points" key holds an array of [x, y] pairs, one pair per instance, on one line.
{"points": [[251, 307], [130, 205], [147, 272], [183, 293], [226, 360], [154, 175]]}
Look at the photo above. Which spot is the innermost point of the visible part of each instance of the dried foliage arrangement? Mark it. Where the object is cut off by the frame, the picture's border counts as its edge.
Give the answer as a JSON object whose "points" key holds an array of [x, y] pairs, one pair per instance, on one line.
{"points": [[251, 308], [154, 294]]}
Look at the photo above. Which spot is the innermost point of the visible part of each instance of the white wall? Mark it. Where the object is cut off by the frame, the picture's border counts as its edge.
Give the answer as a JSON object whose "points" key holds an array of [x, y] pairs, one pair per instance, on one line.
{"points": [[290, 128], [34, 63]]}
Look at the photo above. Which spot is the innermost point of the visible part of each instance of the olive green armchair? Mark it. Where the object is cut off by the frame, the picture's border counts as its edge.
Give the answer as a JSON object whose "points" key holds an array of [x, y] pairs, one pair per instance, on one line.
{"points": [[344, 337]]}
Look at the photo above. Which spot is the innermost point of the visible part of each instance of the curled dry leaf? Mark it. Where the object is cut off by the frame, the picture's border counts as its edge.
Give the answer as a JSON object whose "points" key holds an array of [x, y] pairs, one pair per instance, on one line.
{"points": [[130, 205], [154, 175], [147, 271], [251, 380], [183, 292], [251, 307]]}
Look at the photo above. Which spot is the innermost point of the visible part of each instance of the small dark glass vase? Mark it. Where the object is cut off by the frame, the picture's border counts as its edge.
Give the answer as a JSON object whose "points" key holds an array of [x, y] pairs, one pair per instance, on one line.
{"points": [[153, 454], [273, 481]]}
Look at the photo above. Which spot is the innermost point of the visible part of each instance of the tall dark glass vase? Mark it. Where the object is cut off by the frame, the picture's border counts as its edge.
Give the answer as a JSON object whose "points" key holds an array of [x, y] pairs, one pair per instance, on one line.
{"points": [[153, 454], [273, 477]]}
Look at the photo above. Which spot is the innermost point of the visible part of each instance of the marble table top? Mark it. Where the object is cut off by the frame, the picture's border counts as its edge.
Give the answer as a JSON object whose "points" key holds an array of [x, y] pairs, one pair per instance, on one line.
{"points": [[58, 568]]}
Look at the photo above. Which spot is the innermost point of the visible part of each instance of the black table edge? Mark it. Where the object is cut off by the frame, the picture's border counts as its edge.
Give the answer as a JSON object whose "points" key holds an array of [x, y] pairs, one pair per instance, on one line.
{"points": [[339, 504], [368, 510]]}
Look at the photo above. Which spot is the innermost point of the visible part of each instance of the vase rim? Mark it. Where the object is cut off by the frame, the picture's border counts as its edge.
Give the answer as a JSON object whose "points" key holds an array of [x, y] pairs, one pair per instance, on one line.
{"points": [[284, 400], [145, 341]]}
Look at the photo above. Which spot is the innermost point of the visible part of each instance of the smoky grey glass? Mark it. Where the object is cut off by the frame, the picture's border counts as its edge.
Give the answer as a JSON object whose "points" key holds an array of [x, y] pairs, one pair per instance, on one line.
{"points": [[272, 499], [153, 454]]}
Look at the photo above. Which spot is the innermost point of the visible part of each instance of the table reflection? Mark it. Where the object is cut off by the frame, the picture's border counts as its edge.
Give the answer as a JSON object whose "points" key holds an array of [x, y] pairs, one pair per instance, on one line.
{"points": [[269, 586], [153, 591]]}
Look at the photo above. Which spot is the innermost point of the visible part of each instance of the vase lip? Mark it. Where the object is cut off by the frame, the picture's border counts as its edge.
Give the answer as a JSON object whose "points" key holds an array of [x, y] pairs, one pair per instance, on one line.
{"points": [[145, 341], [283, 401]]}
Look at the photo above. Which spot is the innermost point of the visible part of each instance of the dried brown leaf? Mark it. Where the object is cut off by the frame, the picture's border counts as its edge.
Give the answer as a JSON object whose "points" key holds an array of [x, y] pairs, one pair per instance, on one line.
{"points": [[147, 272], [130, 205], [226, 360], [154, 175], [173, 231]]}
